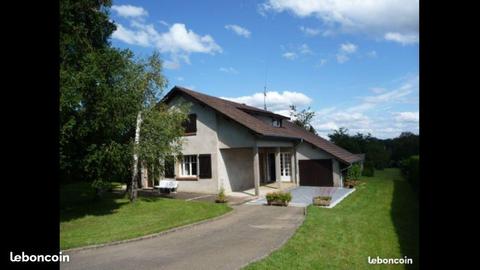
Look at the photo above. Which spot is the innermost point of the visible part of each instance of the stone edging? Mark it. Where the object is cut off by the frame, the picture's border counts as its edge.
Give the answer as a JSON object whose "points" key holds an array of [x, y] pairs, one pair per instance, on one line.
{"points": [[281, 244], [187, 226]]}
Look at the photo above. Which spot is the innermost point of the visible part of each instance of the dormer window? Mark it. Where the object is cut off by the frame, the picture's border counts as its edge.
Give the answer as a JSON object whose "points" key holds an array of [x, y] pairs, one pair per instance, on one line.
{"points": [[276, 122]]}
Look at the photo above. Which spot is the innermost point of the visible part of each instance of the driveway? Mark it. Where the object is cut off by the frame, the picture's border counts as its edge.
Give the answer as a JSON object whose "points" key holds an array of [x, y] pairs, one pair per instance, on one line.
{"points": [[302, 196], [248, 234]]}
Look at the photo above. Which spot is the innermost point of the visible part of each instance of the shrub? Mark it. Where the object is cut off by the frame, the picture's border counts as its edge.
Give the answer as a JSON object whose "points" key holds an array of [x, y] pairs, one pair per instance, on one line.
{"points": [[354, 172], [284, 197], [368, 169], [322, 200], [410, 168], [221, 196]]}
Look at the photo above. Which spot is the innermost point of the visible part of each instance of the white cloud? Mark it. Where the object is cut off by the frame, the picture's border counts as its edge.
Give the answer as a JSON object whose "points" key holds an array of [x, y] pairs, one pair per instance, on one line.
{"points": [[241, 31], [276, 101], [229, 70], [309, 31], [290, 55], [180, 79], [305, 49], [373, 17], [344, 50], [128, 36], [179, 42], [181, 39], [407, 117], [322, 62], [164, 23], [295, 51], [391, 96], [129, 11], [404, 39], [348, 48], [372, 113]]}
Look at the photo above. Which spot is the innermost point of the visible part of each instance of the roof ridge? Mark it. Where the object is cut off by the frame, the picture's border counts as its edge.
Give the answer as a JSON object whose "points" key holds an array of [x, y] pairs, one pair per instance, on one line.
{"points": [[238, 105]]}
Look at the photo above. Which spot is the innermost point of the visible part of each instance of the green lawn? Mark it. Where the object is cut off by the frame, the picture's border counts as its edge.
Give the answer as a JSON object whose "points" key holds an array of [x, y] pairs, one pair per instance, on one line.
{"points": [[87, 222], [379, 219]]}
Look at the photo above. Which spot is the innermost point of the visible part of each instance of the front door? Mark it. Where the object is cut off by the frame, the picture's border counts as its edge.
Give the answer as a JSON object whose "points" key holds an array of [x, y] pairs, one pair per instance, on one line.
{"points": [[286, 167]]}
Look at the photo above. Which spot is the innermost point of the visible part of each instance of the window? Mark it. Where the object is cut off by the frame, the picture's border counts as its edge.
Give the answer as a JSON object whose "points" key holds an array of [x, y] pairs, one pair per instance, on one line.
{"points": [[190, 124], [276, 122], [188, 166], [285, 164]]}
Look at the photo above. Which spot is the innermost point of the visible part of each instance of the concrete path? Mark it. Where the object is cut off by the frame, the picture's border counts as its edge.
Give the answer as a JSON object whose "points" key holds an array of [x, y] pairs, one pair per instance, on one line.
{"points": [[302, 196], [249, 233]]}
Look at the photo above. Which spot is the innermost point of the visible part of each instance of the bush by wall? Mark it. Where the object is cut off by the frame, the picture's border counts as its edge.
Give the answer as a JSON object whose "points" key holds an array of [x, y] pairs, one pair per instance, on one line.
{"points": [[354, 172]]}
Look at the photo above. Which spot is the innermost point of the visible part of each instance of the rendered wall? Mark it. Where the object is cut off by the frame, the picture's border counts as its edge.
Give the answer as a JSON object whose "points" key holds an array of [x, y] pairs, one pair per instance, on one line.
{"points": [[232, 134], [236, 169], [204, 142]]}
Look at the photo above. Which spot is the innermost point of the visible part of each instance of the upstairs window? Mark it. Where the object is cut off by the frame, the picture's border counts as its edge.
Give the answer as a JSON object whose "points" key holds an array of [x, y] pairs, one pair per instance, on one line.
{"points": [[190, 124], [276, 122]]}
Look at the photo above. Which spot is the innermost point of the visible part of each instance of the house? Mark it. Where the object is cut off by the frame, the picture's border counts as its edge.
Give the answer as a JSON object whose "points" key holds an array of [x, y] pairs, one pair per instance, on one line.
{"points": [[239, 147]]}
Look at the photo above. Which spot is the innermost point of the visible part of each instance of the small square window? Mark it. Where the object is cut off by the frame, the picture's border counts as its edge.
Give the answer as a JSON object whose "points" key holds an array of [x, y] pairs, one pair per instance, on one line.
{"points": [[276, 123]]}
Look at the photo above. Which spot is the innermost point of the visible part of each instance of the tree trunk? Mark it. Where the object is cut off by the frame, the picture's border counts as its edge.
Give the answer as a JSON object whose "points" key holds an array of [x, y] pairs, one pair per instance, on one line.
{"points": [[134, 182]]}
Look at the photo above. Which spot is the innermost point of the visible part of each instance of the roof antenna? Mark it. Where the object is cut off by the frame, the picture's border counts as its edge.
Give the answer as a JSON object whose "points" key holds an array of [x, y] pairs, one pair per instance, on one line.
{"points": [[265, 88], [265, 97]]}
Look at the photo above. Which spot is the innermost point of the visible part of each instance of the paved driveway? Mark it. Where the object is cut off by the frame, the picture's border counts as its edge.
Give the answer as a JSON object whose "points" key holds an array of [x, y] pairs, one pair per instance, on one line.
{"points": [[302, 196], [227, 243]]}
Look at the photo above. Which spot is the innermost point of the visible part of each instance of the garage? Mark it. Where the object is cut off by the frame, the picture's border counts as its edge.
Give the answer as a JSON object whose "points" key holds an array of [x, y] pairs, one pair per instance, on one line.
{"points": [[316, 172]]}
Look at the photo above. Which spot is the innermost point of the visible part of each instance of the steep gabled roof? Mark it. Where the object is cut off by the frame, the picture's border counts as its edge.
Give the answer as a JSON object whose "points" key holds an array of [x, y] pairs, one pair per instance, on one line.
{"points": [[239, 113]]}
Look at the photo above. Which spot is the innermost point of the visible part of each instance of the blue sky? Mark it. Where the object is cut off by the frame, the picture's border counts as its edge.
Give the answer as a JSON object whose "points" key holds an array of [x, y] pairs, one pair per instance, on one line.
{"points": [[355, 63]]}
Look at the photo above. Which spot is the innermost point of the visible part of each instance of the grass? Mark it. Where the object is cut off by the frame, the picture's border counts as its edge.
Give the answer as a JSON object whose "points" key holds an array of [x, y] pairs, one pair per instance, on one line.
{"points": [[379, 219], [84, 221]]}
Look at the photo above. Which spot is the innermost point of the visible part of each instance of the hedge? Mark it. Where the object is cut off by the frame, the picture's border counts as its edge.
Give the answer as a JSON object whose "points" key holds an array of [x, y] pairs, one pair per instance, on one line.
{"points": [[368, 169], [411, 170]]}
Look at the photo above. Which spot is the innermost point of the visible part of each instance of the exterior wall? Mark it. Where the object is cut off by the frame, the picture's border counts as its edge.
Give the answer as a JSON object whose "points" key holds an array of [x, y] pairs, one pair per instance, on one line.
{"points": [[204, 142], [307, 151], [232, 134], [236, 169], [337, 180]]}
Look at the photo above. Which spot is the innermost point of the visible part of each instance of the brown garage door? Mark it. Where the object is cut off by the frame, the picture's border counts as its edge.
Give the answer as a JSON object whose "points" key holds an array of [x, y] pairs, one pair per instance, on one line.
{"points": [[316, 172]]}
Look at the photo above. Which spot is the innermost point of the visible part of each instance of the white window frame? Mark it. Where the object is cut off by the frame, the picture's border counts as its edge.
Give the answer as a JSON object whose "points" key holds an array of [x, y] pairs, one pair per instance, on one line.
{"points": [[276, 122], [285, 171], [190, 161]]}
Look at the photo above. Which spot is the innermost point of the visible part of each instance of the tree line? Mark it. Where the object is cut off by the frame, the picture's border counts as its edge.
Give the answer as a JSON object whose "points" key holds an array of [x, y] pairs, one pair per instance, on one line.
{"points": [[379, 153]]}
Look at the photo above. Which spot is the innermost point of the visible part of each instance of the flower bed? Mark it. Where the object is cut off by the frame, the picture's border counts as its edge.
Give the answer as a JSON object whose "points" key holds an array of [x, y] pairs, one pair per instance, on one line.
{"points": [[322, 200]]}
